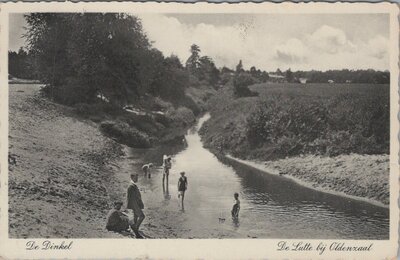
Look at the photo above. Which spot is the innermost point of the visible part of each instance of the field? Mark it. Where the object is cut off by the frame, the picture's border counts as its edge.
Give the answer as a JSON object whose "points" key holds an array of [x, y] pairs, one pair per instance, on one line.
{"points": [[320, 90], [288, 120]]}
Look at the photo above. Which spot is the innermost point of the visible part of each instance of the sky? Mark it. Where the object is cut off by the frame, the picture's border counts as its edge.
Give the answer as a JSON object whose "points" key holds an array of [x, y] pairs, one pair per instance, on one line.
{"points": [[266, 41]]}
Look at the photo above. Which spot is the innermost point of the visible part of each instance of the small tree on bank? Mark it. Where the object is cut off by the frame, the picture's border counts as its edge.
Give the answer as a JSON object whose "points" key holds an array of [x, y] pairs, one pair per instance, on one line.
{"points": [[242, 81]]}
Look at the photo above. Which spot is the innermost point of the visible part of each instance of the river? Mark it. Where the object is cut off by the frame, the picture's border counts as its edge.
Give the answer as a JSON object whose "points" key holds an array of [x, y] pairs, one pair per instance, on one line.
{"points": [[271, 206]]}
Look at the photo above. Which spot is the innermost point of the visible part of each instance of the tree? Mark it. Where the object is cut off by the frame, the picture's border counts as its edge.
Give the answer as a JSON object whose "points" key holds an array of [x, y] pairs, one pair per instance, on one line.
{"points": [[170, 81], [241, 84], [289, 75], [226, 70], [192, 62], [80, 55], [19, 64], [264, 76], [208, 71], [239, 67]]}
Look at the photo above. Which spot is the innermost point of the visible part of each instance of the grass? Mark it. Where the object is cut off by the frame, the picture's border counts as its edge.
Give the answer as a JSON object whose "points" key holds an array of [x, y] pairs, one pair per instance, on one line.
{"points": [[292, 119]]}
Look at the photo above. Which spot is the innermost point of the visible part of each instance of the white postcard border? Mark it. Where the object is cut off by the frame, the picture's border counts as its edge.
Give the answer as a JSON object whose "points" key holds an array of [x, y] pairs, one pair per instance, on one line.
{"points": [[199, 248]]}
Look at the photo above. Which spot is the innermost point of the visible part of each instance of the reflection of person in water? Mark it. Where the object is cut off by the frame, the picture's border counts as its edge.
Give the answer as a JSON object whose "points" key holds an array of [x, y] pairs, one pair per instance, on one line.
{"points": [[166, 194]]}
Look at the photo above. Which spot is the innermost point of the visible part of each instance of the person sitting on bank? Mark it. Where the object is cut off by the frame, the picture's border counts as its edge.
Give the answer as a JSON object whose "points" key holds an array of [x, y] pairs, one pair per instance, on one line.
{"points": [[146, 169], [117, 221]]}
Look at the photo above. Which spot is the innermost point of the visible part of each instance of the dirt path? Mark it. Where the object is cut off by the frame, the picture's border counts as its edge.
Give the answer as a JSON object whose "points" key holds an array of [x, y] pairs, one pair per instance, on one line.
{"points": [[58, 186]]}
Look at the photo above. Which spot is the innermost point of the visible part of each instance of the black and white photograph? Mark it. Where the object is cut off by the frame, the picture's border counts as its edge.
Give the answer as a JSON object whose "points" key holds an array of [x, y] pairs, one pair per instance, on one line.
{"points": [[157, 125]]}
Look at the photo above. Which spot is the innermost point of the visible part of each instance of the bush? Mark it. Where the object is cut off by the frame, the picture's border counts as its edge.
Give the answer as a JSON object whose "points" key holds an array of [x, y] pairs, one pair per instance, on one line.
{"points": [[85, 109], [343, 125], [189, 103], [241, 85], [181, 116], [126, 134]]}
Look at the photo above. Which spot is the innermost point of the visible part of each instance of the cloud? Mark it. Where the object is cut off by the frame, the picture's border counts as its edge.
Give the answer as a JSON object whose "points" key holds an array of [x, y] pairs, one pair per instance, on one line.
{"points": [[330, 39], [378, 47], [224, 44], [267, 46], [292, 51]]}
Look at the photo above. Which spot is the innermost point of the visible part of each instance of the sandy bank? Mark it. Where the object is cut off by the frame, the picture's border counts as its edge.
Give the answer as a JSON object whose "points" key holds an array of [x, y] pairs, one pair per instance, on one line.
{"points": [[58, 186], [364, 177]]}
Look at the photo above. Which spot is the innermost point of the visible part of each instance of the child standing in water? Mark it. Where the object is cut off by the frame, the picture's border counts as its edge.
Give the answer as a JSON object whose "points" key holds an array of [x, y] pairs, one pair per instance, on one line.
{"points": [[166, 167], [182, 187], [236, 207], [146, 169]]}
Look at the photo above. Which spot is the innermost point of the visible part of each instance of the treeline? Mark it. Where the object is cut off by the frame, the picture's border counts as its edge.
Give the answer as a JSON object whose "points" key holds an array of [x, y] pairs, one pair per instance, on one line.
{"points": [[344, 76], [102, 63], [82, 56], [337, 76], [21, 64]]}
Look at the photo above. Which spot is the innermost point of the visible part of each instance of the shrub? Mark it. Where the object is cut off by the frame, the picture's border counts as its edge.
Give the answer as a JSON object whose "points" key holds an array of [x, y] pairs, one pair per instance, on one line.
{"points": [[345, 124], [181, 116], [85, 109], [189, 103], [241, 84], [126, 134]]}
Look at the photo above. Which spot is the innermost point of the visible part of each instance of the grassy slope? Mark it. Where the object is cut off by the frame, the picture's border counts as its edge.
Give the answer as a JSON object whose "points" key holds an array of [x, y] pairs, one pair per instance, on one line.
{"points": [[358, 175], [148, 128], [226, 130]]}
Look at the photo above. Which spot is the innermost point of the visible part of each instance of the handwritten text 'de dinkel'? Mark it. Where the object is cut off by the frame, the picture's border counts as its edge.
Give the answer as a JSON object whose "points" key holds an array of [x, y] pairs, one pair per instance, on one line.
{"points": [[48, 245]]}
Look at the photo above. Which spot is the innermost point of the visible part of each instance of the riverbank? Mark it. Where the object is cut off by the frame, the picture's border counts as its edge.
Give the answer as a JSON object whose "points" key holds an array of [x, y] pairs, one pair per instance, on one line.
{"points": [[59, 170], [300, 132], [363, 177], [65, 173]]}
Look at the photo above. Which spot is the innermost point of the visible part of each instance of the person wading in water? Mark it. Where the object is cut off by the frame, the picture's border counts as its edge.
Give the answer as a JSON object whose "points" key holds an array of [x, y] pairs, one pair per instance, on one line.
{"points": [[236, 207], [146, 169], [166, 168], [182, 187]]}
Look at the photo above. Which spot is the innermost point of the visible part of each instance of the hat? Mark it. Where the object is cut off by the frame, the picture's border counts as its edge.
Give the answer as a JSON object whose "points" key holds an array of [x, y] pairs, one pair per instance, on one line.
{"points": [[118, 203]]}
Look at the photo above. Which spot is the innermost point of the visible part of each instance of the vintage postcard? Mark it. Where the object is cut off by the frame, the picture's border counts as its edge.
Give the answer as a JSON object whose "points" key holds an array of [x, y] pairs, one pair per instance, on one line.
{"points": [[199, 131]]}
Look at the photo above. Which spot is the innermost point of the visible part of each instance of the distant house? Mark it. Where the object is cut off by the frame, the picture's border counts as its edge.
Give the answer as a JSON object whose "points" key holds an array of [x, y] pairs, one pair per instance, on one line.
{"points": [[276, 78], [303, 80], [330, 81], [348, 81]]}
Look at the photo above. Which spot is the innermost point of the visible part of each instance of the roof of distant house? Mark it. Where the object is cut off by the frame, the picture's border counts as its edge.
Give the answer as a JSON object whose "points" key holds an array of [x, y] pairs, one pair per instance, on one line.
{"points": [[276, 76]]}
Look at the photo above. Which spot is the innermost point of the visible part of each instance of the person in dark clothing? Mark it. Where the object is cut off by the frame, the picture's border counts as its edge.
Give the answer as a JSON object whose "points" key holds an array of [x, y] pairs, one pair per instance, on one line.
{"points": [[135, 203], [182, 187], [236, 207], [116, 220]]}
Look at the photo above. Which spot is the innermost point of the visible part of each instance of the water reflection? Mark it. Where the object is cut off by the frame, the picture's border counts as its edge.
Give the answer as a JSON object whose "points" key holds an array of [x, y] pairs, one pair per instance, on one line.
{"points": [[271, 206], [166, 194], [282, 196]]}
